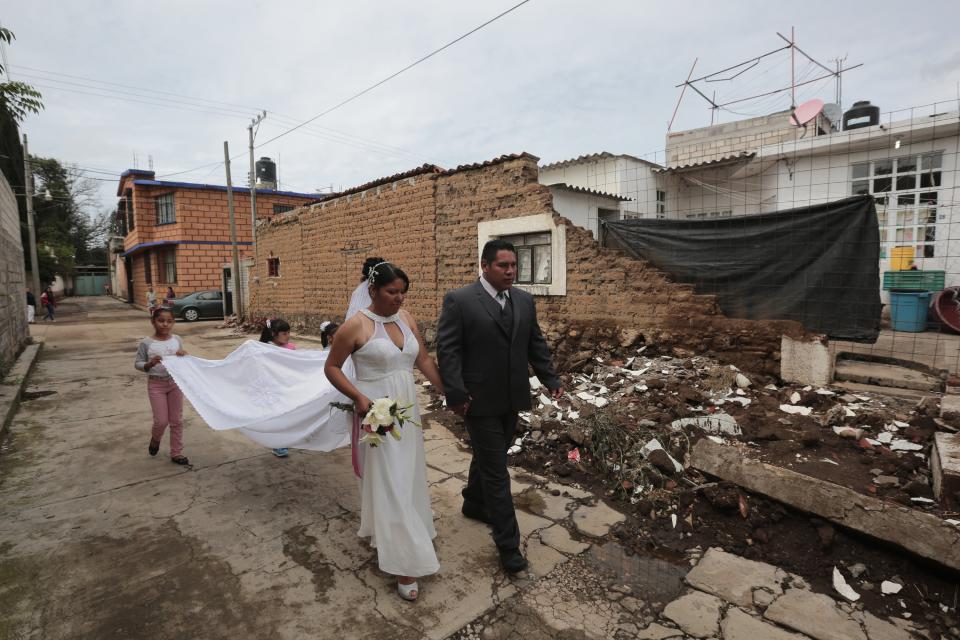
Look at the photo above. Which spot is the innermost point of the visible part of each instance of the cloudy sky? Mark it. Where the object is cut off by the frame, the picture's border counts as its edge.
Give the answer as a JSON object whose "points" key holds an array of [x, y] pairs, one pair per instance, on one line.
{"points": [[556, 78]]}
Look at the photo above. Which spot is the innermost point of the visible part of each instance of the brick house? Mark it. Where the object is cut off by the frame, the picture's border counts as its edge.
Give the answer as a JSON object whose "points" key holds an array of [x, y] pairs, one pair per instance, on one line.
{"points": [[178, 233]]}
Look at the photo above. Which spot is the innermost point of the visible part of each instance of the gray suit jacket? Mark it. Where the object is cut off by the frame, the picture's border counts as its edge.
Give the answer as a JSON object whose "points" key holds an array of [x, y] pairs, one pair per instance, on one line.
{"points": [[479, 360]]}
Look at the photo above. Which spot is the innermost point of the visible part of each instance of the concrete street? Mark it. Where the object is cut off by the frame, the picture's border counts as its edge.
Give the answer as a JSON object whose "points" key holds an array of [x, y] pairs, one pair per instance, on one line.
{"points": [[99, 540]]}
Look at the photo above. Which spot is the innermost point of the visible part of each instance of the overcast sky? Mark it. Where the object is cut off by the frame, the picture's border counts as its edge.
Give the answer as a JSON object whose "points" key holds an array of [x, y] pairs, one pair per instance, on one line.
{"points": [[556, 78]]}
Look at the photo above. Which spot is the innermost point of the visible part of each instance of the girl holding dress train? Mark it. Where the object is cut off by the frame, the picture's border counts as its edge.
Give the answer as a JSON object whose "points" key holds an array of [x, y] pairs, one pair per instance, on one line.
{"points": [[385, 344]]}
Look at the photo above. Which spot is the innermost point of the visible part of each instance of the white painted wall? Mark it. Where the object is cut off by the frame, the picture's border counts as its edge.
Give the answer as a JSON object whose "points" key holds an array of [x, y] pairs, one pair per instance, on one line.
{"points": [[618, 175], [582, 209]]}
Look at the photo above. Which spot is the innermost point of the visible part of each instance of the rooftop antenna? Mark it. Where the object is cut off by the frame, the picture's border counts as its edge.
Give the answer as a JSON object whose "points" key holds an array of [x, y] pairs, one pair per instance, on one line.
{"points": [[150, 162]]}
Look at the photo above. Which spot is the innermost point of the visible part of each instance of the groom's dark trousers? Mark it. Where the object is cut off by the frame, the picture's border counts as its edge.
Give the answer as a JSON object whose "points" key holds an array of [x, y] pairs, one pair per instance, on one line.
{"points": [[484, 352]]}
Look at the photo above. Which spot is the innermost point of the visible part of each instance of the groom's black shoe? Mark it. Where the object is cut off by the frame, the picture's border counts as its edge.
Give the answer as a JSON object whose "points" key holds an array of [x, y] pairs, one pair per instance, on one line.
{"points": [[512, 560], [475, 512]]}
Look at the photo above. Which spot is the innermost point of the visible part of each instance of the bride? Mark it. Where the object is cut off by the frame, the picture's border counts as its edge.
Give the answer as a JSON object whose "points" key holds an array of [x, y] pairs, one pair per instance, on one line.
{"points": [[385, 344]]}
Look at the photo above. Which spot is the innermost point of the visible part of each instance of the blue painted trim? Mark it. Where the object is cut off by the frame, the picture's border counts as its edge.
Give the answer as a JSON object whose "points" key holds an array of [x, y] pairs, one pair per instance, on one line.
{"points": [[167, 243], [217, 187], [133, 172]]}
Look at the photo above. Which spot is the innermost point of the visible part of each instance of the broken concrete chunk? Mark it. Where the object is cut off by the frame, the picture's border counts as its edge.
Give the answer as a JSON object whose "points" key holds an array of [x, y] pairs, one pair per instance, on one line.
{"points": [[734, 578], [905, 445], [654, 445], [945, 469], [889, 588], [717, 423], [596, 521], [794, 398], [696, 613], [742, 381], [659, 632], [814, 614], [848, 432], [833, 416], [887, 481], [742, 626], [840, 586], [796, 409], [535, 383], [950, 407]]}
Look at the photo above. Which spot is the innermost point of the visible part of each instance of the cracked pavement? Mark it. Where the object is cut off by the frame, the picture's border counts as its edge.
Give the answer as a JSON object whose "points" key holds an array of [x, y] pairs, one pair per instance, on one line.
{"points": [[99, 540]]}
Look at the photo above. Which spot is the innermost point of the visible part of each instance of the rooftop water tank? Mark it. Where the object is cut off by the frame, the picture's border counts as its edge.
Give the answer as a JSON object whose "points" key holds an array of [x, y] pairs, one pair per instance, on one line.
{"points": [[861, 114], [266, 172]]}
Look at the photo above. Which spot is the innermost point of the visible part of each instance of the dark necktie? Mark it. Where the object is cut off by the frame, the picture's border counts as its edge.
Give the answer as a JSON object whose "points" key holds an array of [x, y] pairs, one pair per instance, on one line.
{"points": [[506, 313]]}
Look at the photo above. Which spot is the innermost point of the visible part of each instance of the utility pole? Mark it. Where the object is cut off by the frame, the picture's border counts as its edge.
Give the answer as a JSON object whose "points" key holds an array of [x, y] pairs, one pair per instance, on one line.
{"points": [[253, 186], [237, 295], [31, 225]]}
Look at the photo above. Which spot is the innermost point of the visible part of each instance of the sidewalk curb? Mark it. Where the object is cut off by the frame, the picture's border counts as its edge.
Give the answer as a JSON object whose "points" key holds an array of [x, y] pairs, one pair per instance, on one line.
{"points": [[14, 383]]}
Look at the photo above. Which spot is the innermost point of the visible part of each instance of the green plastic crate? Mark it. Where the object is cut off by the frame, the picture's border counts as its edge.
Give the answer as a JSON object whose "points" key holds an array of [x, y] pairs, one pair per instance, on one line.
{"points": [[913, 280]]}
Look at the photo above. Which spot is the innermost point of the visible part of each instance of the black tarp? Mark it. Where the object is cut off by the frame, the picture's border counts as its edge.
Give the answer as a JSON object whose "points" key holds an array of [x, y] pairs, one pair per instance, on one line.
{"points": [[818, 265]]}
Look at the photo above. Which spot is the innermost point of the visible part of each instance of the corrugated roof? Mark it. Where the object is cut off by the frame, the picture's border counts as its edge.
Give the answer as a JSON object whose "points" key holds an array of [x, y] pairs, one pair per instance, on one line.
{"points": [[592, 192], [709, 164], [591, 157]]}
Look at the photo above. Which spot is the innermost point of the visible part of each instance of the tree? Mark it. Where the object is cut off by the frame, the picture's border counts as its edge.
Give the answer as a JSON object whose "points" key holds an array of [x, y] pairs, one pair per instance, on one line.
{"points": [[18, 98], [69, 233]]}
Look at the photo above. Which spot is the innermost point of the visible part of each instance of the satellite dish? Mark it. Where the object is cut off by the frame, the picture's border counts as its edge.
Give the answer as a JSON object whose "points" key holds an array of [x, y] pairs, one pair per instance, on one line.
{"points": [[806, 112]]}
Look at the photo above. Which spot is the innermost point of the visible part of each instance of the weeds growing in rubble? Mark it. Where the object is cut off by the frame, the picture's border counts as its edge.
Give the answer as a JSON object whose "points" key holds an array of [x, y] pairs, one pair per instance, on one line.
{"points": [[616, 444]]}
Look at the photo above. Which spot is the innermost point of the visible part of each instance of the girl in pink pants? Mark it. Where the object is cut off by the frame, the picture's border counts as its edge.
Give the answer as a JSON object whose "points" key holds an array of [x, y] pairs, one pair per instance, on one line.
{"points": [[166, 399]]}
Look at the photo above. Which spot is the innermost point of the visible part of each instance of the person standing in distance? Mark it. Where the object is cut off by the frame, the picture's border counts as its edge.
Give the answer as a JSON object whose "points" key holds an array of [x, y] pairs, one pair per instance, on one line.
{"points": [[487, 335]]}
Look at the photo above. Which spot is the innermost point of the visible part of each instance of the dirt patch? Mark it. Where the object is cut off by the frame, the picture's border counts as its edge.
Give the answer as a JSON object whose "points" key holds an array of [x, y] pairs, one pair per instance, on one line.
{"points": [[165, 586], [302, 548]]}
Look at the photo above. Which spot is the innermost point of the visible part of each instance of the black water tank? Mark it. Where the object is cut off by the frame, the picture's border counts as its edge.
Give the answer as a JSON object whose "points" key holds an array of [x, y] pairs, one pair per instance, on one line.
{"points": [[861, 114], [266, 171]]}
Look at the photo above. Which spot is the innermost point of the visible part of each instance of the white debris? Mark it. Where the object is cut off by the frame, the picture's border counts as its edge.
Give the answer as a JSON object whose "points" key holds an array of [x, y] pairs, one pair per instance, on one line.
{"points": [[848, 432], [793, 409], [890, 427], [794, 398], [573, 415], [654, 445], [905, 445], [426, 383], [825, 392], [922, 500], [848, 412], [885, 437], [545, 401], [587, 397], [742, 381], [841, 586], [716, 423], [902, 425], [719, 440], [952, 521], [888, 588], [831, 461], [600, 402], [872, 442], [673, 519], [771, 387], [535, 383]]}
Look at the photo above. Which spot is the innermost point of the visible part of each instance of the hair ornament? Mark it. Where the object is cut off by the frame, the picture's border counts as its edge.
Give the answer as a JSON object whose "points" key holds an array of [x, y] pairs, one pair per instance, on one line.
{"points": [[373, 272]]}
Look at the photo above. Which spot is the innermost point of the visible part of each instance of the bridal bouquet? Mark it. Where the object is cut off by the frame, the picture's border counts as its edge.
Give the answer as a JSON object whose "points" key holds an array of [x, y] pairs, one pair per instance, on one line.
{"points": [[385, 417]]}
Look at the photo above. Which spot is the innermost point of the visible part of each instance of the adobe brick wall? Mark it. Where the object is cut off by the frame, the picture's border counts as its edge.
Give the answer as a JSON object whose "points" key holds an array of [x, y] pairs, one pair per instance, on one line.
{"points": [[13, 281], [428, 226]]}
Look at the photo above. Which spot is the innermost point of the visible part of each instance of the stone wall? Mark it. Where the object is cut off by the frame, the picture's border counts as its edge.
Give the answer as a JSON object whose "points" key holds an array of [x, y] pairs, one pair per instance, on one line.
{"points": [[428, 224], [14, 330]]}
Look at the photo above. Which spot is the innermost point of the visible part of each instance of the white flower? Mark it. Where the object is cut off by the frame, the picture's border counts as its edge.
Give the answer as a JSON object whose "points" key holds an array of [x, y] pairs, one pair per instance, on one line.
{"points": [[380, 413], [373, 439]]}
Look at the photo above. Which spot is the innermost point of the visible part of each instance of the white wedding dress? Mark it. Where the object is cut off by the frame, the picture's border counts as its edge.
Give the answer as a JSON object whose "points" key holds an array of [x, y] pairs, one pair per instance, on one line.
{"points": [[281, 398], [395, 511]]}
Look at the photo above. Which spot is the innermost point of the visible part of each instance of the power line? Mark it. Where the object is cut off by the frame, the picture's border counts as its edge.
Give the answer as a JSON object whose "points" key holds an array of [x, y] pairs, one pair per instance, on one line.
{"points": [[395, 74]]}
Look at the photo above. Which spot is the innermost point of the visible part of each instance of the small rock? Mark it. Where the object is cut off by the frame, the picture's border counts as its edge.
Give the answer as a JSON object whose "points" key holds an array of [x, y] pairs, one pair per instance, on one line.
{"points": [[857, 570], [887, 481]]}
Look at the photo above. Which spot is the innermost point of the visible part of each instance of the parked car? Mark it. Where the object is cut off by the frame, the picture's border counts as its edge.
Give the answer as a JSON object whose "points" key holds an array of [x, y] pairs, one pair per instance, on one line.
{"points": [[199, 304]]}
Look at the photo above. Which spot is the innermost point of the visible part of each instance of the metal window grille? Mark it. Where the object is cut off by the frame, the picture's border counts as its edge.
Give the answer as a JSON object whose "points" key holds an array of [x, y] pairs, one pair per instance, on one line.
{"points": [[167, 265]]}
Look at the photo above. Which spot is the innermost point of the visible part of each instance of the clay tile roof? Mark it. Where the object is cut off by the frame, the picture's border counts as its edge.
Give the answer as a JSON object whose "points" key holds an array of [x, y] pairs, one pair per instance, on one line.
{"points": [[592, 192], [591, 157], [488, 163], [709, 164], [426, 168]]}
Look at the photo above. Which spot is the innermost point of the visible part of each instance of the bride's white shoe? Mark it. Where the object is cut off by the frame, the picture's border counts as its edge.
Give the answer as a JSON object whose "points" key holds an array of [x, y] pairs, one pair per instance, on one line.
{"points": [[409, 592]]}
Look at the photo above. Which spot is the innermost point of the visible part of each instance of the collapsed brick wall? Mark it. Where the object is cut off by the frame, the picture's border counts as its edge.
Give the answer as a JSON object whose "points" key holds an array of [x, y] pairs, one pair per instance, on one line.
{"points": [[428, 225], [322, 248]]}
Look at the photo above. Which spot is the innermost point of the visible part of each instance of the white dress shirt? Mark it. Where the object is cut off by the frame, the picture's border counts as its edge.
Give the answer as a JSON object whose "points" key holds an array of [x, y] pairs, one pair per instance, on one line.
{"points": [[501, 300]]}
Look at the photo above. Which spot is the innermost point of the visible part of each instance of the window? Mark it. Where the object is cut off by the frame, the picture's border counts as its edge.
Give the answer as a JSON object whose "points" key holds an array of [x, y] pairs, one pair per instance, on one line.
{"points": [[167, 265], [128, 207], [147, 273], [120, 225], [273, 267], [282, 208], [165, 209], [904, 192], [533, 257], [661, 204]]}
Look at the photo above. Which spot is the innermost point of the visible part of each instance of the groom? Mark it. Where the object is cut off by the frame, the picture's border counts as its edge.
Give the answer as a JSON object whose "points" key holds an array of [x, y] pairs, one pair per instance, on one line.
{"points": [[486, 337]]}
